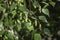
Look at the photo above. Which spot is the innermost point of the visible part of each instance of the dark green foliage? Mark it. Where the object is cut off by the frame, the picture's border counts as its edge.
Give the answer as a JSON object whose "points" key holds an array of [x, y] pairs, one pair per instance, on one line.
{"points": [[29, 19]]}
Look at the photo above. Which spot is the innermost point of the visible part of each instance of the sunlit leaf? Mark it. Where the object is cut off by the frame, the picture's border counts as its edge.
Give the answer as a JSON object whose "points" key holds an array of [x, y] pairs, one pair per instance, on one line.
{"points": [[43, 18], [52, 3], [40, 8], [45, 11]]}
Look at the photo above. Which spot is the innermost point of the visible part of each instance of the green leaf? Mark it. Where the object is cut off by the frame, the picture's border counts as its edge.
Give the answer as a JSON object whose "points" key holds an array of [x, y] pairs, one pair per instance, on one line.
{"points": [[46, 4], [45, 11], [31, 12], [1, 28], [33, 17], [52, 3], [43, 18], [37, 36], [21, 0], [47, 31], [23, 8], [9, 36], [14, 13], [16, 37], [1, 8], [58, 0], [18, 27], [1, 32], [29, 26], [35, 4], [40, 9], [8, 23], [13, 6]]}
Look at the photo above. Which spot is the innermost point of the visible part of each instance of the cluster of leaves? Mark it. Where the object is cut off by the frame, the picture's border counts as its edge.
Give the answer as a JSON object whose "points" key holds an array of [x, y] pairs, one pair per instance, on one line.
{"points": [[28, 19]]}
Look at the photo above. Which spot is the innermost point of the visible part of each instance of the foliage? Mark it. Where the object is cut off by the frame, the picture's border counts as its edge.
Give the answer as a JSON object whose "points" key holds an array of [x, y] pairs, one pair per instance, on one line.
{"points": [[29, 19]]}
